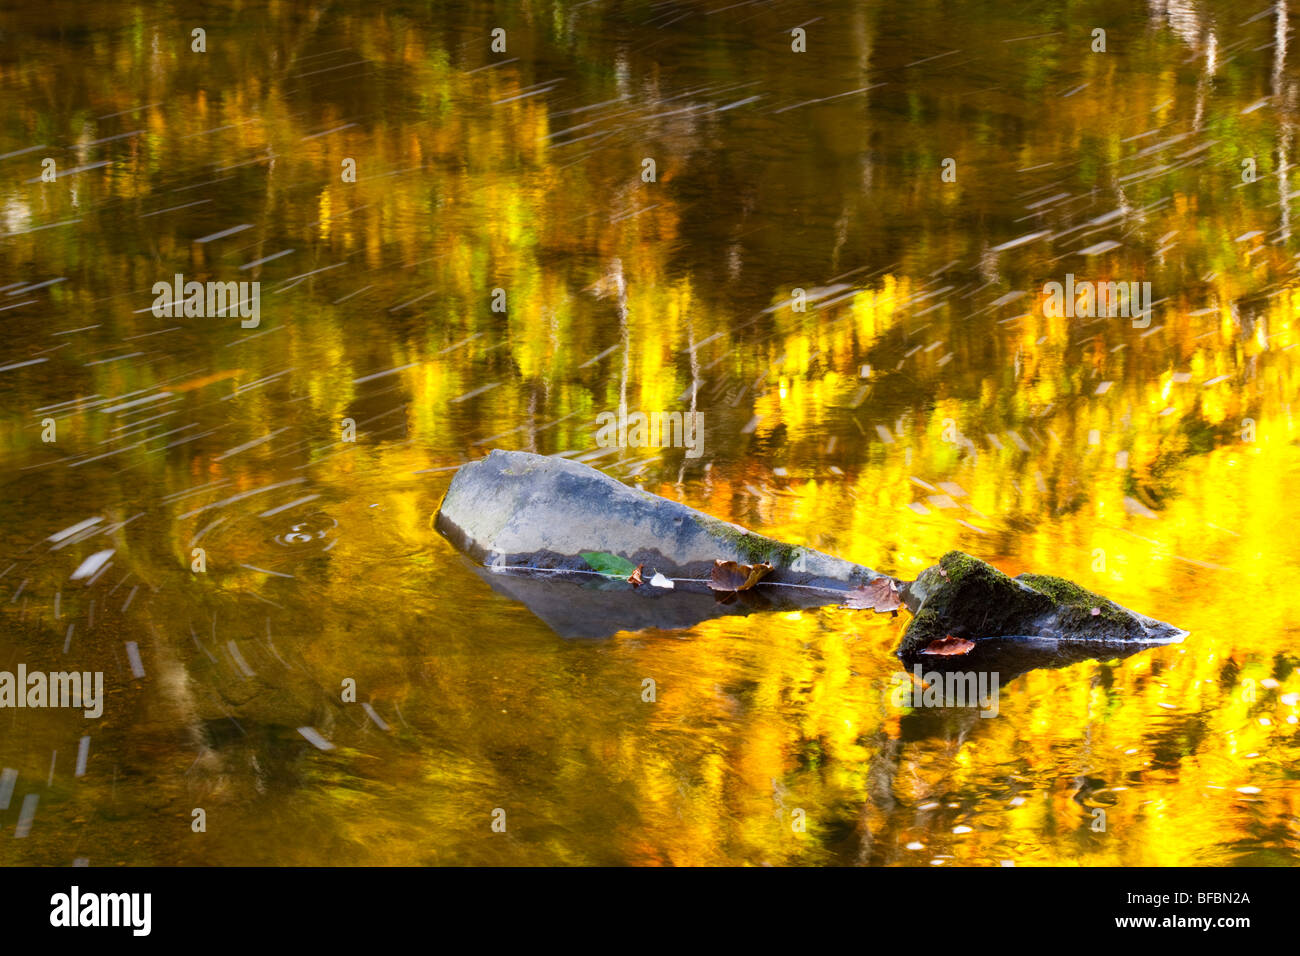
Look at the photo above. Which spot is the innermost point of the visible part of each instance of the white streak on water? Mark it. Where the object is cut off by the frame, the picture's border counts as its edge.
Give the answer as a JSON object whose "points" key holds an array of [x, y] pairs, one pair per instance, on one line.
{"points": [[292, 504], [1020, 241], [224, 232], [159, 212], [239, 659], [38, 285], [83, 752], [70, 172], [92, 564], [315, 739], [8, 780], [471, 394], [22, 152], [264, 571], [116, 358], [139, 401], [6, 368], [390, 371], [336, 129], [247, 445], [79, 526], [26, 815], [1099, 248], [133, 655], [270, 258], [53, 225], [241, 496], [370, 711]]}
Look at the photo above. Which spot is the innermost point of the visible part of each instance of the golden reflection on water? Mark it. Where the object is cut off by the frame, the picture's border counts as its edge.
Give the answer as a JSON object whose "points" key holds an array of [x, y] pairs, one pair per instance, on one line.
{"points": [[917, 405]]}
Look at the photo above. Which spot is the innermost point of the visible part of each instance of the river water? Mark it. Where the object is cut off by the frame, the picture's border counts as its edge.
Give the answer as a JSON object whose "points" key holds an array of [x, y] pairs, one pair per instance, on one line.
{"points": [[836, 257]]}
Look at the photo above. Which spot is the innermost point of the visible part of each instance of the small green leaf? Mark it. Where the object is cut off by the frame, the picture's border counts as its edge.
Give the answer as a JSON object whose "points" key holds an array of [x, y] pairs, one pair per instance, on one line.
{"points": [[609, 564]]}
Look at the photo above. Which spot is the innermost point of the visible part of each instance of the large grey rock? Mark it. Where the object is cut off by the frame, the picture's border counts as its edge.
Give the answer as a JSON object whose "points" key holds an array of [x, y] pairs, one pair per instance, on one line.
{"points": [[515, 509]]}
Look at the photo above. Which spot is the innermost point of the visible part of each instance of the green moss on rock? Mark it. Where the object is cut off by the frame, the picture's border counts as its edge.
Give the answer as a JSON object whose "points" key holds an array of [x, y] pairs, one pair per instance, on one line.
{"points": [[958, 566], [1061, 590], [968, 598], [1075, 604], [964, 597], [756, 548], [925, 627]]}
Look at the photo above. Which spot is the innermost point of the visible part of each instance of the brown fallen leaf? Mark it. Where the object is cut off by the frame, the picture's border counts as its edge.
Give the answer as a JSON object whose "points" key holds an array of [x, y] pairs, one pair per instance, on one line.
{"points": [[731, 576], [948, 646], [635, 578], [880, 595]]}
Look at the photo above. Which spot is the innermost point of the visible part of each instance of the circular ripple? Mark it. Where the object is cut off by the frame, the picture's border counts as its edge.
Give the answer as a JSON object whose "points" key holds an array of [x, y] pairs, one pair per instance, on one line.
{"points": [[315, 532]]}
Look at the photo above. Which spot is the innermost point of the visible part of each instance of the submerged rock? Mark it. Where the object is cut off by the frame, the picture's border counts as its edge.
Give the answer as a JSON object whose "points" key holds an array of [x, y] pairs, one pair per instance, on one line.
{"points": [[578, 607], [963, 597], [515, 509]]}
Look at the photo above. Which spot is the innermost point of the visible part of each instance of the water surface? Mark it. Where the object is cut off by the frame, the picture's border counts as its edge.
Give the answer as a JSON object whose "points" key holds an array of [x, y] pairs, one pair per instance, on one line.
{"points": [[922, 401]]}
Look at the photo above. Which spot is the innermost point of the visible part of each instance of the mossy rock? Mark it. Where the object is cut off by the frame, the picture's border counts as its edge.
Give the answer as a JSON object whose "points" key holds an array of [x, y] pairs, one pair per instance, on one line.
{"points": [[964, 597]]}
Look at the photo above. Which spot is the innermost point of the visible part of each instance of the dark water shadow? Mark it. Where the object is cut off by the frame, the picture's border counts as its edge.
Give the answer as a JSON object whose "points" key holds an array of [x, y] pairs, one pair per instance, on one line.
{"points": [[591, 607], [1010, 657]]}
